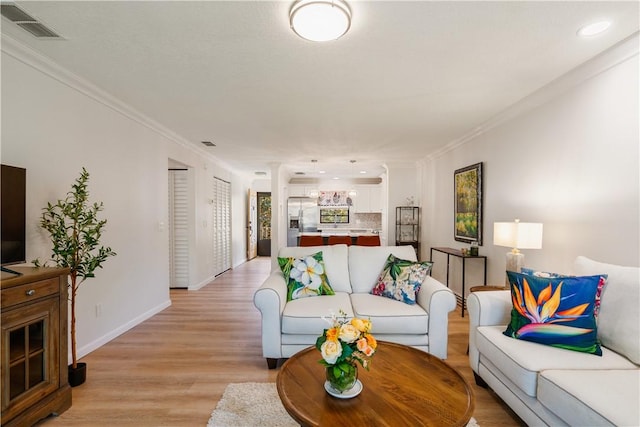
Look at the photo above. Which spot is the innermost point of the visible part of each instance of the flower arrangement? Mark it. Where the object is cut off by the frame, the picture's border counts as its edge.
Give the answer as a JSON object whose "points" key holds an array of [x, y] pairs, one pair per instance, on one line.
{"points": [[344, 344]]}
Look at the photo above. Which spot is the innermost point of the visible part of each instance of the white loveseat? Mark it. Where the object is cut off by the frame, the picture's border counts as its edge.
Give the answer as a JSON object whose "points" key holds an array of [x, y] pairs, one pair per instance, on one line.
{"points": [[551, 386], [288, 327]]}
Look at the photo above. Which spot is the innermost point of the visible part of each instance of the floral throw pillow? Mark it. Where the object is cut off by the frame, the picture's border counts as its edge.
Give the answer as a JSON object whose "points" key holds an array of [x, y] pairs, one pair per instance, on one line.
{"points": [[555, 311], [601, 282], [401, 279], [305, 276]]}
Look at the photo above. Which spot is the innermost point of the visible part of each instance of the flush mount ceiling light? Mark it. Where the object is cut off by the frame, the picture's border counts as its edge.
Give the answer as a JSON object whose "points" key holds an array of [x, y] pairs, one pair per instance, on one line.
{"points": [[320, 20], [594, 28]]}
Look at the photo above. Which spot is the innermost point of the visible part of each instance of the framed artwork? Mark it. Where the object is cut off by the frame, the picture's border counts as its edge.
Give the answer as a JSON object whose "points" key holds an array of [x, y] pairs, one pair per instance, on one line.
{"points": [[468, 204]]}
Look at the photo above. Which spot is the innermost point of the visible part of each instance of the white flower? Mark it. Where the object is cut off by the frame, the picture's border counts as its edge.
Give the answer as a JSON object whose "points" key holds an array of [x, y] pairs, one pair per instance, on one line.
{"points": [[303, 292], [308, 273], [349, 333], [331, 350]]}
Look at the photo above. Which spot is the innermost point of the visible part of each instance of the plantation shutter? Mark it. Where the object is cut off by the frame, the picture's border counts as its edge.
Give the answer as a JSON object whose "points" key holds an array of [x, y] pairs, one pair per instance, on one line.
{"points": [[178, 229], [221, 226]]}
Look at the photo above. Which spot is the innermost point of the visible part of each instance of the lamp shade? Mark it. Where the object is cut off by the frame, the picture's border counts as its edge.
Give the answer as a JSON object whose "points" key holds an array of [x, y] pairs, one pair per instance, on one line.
{"points": [[518, 235], [320, 20]]}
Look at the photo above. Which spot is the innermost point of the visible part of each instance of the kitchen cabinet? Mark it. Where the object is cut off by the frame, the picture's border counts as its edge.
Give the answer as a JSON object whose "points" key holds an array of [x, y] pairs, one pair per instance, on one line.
{"points": [[368, 199], [299, 190]]}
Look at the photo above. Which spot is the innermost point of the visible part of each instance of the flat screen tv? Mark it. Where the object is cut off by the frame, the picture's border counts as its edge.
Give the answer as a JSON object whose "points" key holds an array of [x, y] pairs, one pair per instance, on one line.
{"points": [[13, 182]]}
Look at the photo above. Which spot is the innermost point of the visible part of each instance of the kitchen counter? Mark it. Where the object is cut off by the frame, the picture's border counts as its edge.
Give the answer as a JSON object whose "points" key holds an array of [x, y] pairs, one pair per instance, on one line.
{"points": [[353, 232]]}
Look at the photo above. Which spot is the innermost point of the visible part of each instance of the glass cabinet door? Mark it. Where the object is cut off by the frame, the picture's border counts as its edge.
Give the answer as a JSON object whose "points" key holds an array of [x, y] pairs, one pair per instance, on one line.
{"points": [[32, 370]]}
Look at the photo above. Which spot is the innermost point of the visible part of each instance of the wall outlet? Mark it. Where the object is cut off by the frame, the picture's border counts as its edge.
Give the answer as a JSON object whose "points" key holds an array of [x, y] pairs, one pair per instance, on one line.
{"points": [[98, 310]]}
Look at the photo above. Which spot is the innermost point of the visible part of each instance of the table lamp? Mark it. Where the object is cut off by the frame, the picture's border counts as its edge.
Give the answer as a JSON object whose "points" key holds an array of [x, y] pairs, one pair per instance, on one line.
{"points": [[517, 235]]}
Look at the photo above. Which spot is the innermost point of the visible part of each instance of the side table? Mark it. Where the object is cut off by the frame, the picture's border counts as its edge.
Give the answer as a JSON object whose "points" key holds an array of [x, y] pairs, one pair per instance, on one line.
{"points": [[457, 253]]}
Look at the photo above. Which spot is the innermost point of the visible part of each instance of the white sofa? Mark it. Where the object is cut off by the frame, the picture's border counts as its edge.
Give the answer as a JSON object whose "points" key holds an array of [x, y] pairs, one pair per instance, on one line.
{"points": [[551, 386], [288, 327]]}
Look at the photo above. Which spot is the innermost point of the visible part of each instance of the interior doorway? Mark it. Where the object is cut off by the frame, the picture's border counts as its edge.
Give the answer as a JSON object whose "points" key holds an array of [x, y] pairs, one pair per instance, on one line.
{"points": [[264, 224]]}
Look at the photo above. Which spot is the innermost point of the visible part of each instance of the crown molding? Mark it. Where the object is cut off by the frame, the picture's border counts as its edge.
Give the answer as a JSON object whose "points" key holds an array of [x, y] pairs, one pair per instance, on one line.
{"points": [[45, 65], [617, 54]]}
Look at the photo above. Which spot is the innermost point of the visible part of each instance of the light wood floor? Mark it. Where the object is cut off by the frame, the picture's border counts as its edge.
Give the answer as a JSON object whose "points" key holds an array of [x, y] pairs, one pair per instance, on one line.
{"points": [[172, 369]]}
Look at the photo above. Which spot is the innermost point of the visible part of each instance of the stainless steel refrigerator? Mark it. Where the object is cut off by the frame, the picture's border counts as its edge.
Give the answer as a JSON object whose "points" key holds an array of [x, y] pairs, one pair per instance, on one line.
{"points": [[302, 216]]}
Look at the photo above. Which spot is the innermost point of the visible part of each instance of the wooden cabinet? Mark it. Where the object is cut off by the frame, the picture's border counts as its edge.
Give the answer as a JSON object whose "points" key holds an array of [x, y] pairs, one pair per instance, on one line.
{"points": [[34, 371]]}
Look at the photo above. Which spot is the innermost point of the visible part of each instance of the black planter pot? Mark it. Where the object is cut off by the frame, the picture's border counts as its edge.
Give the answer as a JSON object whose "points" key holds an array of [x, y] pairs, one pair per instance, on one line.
{"points": [[78, 375]]}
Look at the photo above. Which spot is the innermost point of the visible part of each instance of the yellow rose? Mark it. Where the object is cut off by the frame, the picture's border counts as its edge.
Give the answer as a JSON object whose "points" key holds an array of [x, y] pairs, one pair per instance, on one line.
{"points": [[348, 333], [330, 351], [362, 325]]}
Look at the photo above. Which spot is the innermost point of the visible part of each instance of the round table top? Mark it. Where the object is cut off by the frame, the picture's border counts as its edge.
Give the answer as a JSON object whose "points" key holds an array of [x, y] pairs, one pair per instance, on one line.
{"points": [[404, 386]]}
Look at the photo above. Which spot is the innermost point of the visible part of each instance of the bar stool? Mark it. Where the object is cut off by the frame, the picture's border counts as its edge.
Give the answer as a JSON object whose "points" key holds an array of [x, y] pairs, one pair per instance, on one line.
{"points": [[368, 241], [310, 241], [336, 240]]}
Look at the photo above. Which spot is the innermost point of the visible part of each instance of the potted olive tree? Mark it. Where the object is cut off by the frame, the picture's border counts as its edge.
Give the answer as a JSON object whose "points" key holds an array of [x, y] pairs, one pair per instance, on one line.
{"points": [[75, 231]]}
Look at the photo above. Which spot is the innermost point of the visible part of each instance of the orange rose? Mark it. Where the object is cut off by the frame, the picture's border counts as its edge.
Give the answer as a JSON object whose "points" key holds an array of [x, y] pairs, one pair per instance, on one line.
{"points": [[332, 334], [371, 341]]}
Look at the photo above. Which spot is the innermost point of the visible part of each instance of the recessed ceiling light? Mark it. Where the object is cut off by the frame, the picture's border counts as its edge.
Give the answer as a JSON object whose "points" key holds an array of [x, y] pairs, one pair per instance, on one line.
{"points": [[594, 28], [322, 171], [336, 177], [363, 172]]}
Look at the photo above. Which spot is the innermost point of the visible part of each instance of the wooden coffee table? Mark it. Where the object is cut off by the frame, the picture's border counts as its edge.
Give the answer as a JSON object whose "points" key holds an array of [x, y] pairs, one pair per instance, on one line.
{"points": [[405, 386]]}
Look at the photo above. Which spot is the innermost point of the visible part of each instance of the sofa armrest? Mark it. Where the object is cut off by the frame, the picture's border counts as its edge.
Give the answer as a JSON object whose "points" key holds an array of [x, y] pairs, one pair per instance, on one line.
{"points": [[438, 301], [486, 309], [270, 299]]}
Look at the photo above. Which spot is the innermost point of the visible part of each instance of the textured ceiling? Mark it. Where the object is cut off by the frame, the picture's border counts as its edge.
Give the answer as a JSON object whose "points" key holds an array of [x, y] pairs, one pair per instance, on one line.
{"points": [[408, 78]]}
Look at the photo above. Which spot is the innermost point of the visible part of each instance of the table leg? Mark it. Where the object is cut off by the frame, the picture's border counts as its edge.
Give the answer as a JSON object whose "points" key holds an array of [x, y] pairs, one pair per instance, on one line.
{"points": [[447, 270], [464, 263]]}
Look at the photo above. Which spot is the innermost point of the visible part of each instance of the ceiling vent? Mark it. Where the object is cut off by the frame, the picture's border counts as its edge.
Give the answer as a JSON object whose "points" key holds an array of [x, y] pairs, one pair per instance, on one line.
{"points": [[27, 22], [209, 143]]}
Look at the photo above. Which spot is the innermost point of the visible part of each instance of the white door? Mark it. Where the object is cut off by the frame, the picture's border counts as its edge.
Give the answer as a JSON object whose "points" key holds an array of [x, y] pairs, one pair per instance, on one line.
{"points": [[178, 228]]}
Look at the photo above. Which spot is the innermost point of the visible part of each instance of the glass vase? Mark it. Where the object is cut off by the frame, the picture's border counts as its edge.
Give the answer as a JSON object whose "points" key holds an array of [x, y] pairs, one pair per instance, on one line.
{"points": [[342, 376]]}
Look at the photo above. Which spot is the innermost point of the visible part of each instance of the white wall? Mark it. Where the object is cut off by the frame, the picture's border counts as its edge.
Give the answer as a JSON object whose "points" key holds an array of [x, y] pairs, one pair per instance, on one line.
{"points": [[52, 125], [403, 181], [570, 163]]}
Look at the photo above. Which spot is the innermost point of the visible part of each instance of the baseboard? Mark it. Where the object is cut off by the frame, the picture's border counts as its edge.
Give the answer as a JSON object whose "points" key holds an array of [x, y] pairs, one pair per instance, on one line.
{"points": [[94, 345], [202, 284]]}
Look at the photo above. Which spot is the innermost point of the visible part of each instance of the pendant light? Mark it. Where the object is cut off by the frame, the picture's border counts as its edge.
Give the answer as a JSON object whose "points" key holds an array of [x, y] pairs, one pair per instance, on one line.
{"points": [[352, 192]]}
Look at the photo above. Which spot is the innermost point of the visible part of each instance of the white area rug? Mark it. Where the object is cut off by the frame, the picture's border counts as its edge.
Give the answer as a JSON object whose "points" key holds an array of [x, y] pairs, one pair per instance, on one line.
{"points": [[255, 405]]}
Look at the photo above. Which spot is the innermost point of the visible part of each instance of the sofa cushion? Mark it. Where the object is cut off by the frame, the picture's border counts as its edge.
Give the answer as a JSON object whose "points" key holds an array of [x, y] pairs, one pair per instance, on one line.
{"points": [[619, 317], [520, 361], [401, 279], [389, 316], [556, 311], [335, 262], [305, 315], [366, 263], [305, 276], [592, 397]]}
